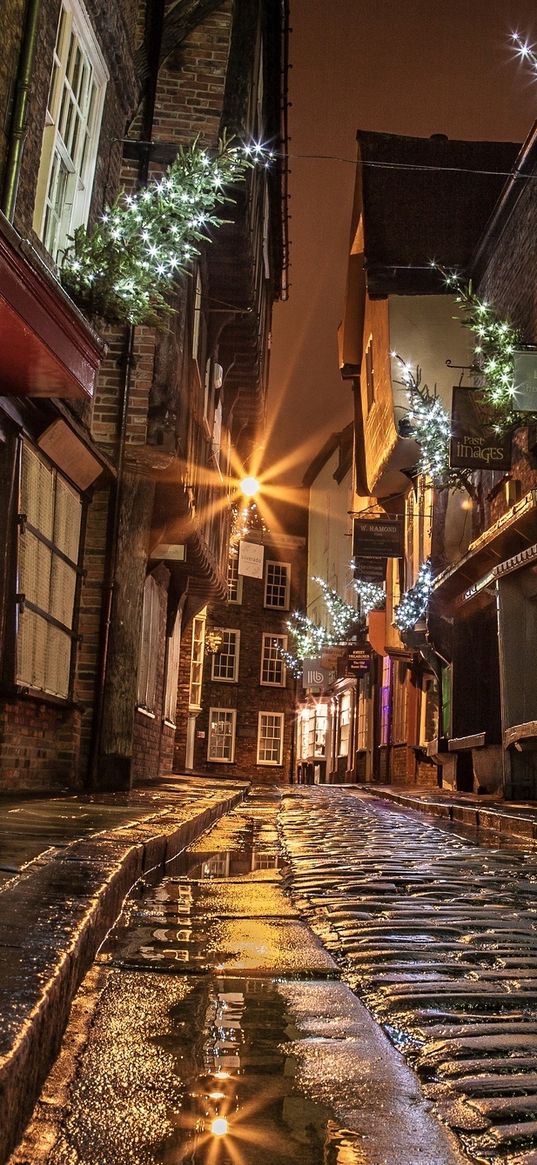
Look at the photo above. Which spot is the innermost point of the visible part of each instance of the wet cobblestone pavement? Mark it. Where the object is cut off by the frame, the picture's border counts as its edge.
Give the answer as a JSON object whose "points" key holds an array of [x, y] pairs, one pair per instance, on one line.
{"points": [[214, 1030], [438, 936]]}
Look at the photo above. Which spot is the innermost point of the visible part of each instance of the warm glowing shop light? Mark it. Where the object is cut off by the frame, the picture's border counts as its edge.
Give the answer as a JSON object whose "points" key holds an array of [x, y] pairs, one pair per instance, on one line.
{"points": [[219, 1126]]}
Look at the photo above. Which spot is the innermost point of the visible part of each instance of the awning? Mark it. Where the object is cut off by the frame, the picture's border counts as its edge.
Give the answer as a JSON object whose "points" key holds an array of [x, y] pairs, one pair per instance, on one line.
{"points": [[48, 347]]}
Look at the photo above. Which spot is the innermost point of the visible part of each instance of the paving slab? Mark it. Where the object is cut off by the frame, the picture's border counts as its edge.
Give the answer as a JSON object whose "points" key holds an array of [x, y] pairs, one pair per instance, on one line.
{"points": [[57, 908]]}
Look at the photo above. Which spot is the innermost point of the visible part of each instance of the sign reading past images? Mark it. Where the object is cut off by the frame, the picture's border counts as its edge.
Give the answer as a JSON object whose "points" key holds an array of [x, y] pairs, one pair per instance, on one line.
{"points": [[378, 537], [474, 444]]}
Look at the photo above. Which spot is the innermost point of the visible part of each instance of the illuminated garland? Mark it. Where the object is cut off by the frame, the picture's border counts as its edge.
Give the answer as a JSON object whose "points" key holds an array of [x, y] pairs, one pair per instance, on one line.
{"points": [[525, 50], [245, 520], [414, 601], [310, 639], [428, 422], [124, 269], [371, 595]]}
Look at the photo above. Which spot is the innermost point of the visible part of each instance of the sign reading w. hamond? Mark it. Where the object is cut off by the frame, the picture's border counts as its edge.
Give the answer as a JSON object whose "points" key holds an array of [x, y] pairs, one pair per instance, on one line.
{"points": [[380, 536]]}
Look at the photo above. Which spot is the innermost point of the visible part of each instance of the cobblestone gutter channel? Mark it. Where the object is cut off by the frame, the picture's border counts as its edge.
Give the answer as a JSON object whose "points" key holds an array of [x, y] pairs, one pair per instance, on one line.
{"points": [[53, 918]]}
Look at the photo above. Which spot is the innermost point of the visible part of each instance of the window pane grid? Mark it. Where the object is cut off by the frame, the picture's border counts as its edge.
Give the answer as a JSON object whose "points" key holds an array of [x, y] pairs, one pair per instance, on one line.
{"points": [[234, 580], [272, 665], [221, 734], [226, 661], [270, 738], [277, 585]]}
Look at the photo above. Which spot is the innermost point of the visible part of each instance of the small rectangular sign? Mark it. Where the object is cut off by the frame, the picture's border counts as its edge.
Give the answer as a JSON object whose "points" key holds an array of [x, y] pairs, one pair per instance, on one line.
{"points": [[359, 660], [474, 444], [378, 537], [371, 570], [251, 559]]}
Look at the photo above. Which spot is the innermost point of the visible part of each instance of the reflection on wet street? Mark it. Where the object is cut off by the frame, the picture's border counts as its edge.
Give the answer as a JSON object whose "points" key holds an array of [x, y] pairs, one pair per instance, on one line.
{"points": [[215, 1030]]}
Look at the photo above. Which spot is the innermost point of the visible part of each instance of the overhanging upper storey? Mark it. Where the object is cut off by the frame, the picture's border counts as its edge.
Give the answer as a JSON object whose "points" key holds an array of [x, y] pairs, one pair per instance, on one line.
{"points": [[48, 348]]}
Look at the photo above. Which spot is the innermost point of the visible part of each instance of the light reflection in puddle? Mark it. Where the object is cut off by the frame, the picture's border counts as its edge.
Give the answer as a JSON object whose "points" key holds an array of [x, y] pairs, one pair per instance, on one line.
{"points": [[242, 1104]]}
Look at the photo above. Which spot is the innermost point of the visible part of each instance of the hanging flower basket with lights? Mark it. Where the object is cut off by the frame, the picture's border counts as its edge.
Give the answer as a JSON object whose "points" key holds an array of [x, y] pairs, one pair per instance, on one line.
{"points": [[123, 270]]}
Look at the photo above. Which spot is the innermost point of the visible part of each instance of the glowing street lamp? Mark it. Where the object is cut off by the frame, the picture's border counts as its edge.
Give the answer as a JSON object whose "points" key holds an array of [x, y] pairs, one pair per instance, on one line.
{"points": [[219, 1126], [250, 487]]}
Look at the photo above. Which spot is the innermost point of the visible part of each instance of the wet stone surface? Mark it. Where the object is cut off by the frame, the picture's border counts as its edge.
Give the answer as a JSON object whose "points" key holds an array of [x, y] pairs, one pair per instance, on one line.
{"points": [[438, 936], [214, 1030]]}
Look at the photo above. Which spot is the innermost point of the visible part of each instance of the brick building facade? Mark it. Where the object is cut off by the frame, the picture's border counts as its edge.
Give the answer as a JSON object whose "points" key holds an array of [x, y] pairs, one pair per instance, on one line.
{"points": [[116, 441], [243, 725]]}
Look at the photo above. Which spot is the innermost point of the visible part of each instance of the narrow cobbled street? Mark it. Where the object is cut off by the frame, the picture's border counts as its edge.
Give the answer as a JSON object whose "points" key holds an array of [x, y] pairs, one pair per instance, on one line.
{"points": [[224, 1020]]}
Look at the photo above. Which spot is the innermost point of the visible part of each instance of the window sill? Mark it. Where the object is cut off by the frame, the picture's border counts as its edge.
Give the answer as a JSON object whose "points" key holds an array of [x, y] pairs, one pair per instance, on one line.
{"points": [[20, 692], [169, 723], [145, 712]]}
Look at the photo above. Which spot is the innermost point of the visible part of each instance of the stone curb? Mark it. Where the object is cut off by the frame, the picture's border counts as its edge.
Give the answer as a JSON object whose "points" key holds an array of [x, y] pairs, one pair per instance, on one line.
{"points": [[494, 820], [61, 909]]}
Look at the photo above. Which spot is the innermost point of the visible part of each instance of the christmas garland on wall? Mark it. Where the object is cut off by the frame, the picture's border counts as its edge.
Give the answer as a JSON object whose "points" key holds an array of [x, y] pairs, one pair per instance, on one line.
{"points": [[124, 269], [310, 639], [427, 421], [414, 601]]}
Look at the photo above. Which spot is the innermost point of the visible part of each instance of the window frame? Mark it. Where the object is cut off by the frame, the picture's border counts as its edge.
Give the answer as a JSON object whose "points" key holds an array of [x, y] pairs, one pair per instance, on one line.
{"points": [[234, 636], [49, 550], [146, 689], [267, 640], [270, 562], [197, 652], [79, 163], [232, 714], [280, 716], [234, 580], [171, 676]]}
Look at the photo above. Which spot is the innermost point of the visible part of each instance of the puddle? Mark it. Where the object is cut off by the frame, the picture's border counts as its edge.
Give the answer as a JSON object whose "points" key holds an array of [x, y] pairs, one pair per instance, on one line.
{"points": [[241, 1102]]}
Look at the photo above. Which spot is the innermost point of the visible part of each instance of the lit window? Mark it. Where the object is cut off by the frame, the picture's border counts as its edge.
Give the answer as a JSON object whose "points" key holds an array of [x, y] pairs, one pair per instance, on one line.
{"points": [[385, 700], [221, 734], [272, 665], [277, 581], [226, 660], [344, 724], [71, 134], [196, 660], [234, 580], [361, 743], [270, 738], [47, 568]]}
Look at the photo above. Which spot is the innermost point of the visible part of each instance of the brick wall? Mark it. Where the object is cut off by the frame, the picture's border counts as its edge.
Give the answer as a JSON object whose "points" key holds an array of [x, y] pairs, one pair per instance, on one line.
{"points": [[38, 746], [248, 696]]}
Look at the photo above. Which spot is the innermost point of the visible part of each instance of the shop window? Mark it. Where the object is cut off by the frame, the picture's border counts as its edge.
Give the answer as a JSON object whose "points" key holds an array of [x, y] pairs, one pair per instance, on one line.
{"points": [[385, 700], [277, 585], [47, 573], [71, 134], [270, 738], [361, 741], [272, 665], [344, 724], [225, 665], [221, 734]]}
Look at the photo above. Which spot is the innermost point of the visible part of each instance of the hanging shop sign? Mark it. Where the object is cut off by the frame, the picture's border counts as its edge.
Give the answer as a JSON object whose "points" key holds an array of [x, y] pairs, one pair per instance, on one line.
{"points": [[525, 379], [359, 661], [314, 674], [251, 559], [371, 570], [378, 537], [474, 444]]}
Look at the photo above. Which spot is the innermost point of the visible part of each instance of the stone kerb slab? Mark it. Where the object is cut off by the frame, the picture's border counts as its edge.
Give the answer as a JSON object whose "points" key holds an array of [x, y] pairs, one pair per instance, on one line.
{"points": [[54, 917]]}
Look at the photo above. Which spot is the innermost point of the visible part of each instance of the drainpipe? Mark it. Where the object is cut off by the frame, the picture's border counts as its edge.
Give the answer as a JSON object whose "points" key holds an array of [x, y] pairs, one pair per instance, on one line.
{"points": [[155, 13], [19, 121]]}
